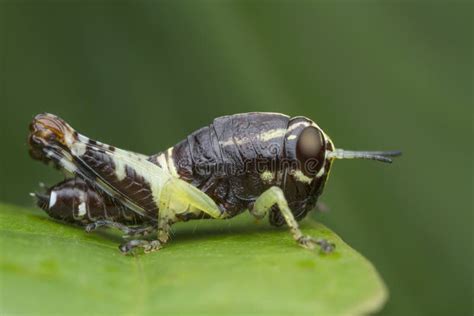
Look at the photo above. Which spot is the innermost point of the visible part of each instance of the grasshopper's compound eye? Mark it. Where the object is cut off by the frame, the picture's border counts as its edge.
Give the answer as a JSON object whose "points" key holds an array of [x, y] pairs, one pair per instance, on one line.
{"points": [[310, 150]]}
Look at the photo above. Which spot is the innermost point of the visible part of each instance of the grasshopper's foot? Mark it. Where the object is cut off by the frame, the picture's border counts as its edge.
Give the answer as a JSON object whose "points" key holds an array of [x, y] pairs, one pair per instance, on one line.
{"points": [[311, 242], [148, 246]]}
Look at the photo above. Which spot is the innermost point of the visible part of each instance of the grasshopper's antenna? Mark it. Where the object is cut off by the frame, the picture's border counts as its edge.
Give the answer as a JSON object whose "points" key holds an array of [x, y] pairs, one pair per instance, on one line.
{"points": [[382, 156]]}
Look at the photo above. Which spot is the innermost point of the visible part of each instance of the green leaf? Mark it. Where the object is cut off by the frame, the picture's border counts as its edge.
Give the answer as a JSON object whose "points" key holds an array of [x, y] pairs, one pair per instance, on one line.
{"points": [[232, 267]]}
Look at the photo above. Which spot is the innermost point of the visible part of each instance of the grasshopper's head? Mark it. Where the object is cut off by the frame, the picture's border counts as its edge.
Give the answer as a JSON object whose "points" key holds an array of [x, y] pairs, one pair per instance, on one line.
{"points": [[313, 150], [310, 153]]}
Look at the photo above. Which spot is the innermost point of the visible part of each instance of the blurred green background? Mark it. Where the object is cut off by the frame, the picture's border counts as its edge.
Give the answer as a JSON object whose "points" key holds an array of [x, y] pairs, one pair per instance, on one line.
{"points": [[374, 75]]}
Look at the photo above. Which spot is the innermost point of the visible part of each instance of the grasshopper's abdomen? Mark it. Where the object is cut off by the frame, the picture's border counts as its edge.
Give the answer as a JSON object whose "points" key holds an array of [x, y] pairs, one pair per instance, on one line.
{"points": [[74, 201]]}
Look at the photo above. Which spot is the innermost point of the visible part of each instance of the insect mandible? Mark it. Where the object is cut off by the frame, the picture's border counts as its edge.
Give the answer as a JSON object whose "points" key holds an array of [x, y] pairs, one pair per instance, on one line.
{"points": [[267, 163]]}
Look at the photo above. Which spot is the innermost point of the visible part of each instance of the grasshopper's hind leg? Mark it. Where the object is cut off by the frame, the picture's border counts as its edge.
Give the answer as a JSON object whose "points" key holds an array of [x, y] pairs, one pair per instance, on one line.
{"points": [[129, 231], [136, 231], [275, 195], [163, 229]]}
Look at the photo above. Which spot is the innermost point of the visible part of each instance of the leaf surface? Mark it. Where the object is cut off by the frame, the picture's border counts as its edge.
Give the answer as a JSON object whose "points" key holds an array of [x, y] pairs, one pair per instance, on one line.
{"points": [[233, 267]]}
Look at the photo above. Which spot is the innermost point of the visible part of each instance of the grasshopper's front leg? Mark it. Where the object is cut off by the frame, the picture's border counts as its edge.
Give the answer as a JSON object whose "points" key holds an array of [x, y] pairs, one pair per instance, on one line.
{"points": [[275, 195]]}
